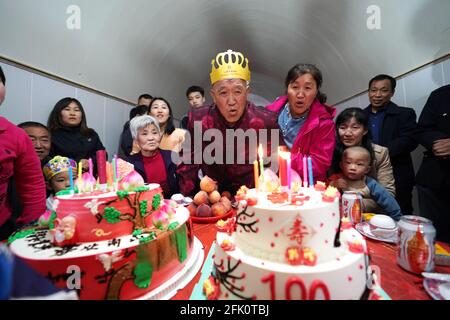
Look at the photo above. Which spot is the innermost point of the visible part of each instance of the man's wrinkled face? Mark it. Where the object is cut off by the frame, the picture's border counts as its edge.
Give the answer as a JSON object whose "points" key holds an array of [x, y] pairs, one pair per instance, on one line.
{"points": [[230, 96]]}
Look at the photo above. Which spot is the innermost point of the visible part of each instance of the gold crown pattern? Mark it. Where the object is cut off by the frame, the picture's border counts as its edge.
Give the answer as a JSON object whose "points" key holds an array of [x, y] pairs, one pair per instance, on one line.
{"points": [[229, 65], [57, 165]]}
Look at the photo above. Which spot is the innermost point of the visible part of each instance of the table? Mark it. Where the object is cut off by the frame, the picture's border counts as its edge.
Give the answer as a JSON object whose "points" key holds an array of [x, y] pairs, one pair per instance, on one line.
{"points": [[396, 282]]}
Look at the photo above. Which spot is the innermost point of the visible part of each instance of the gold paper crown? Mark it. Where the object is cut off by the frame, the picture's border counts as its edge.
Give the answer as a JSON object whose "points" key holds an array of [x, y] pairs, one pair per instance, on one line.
{"points": [[229, 65]]}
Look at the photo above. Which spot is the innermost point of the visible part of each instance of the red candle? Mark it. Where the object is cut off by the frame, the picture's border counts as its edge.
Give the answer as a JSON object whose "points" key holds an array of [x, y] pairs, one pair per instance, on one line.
{"points": [[101, 165]]}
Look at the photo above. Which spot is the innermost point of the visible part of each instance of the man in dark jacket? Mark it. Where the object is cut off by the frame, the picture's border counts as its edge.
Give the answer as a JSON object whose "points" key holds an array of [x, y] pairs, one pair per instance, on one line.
{"points": [[394, 127], [433, 177]]}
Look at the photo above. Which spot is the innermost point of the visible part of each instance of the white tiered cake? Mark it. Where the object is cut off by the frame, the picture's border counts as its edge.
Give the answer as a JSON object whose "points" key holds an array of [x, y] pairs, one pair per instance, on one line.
{"points": [[288, 246]]}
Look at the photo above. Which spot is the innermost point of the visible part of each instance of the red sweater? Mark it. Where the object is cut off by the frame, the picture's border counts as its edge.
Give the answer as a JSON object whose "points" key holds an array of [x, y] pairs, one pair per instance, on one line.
{"points": [[155, 170], [18, 159]]}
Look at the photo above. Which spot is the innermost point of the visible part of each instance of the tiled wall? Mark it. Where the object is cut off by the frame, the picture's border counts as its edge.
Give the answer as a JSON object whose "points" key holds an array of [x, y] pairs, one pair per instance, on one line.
{"points": [[412, 91], [31, 97]]}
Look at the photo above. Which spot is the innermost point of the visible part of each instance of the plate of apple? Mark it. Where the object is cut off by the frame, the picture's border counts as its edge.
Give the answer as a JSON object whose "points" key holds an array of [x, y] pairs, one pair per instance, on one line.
{"points": [[209, 205]]}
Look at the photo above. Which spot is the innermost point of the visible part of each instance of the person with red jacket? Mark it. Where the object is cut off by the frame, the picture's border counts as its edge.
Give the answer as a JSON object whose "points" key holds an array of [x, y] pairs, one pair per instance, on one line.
{"points": [[306, 122], [18, 160]]}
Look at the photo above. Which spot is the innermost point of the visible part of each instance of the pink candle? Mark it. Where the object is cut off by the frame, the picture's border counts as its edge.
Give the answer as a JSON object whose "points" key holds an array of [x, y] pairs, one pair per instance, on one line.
{"points": [[91, 167], [305, 173], [289, 172]]}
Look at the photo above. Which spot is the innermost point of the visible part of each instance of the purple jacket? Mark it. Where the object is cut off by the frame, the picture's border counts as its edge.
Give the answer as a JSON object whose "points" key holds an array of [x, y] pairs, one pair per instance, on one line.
{"points": [[316, 138]]}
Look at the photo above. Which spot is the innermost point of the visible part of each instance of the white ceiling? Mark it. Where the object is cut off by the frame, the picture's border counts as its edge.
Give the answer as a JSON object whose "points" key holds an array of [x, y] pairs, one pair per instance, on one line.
{"points": [[127, 47]]}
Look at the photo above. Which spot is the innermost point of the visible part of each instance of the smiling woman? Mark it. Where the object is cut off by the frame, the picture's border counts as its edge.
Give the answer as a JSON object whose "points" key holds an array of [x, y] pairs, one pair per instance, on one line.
{"points": [[172, 137]]}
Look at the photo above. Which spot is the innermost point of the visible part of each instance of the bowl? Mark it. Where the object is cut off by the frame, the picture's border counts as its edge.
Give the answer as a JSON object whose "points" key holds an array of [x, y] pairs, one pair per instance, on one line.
{"points": [[382, 226]]}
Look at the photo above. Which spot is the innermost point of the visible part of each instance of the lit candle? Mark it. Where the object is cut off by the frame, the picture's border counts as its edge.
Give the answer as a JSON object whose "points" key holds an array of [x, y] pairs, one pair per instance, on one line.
{"points": [[261, 161], [305, 173], [310, 170], [255, 173]]}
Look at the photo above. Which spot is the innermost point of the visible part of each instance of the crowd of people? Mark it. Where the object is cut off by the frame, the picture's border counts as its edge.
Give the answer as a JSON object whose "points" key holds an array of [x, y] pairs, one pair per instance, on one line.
{"points": [[360, 149]]}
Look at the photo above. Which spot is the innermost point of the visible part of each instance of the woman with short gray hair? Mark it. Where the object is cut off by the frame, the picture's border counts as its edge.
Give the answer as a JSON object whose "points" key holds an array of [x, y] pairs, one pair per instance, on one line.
{"points": [[154, 164]]}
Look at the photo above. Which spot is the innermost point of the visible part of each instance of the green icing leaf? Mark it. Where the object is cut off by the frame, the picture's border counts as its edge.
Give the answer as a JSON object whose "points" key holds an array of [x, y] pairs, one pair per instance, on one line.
{"points": [[173, 225], [137, 232], [143, 207], [141, 189], [149, 238], [156, 201], [65, 192], [143, 274], [20, 234], [51, 224], [111, 215], [180, 238], [122, 194]]}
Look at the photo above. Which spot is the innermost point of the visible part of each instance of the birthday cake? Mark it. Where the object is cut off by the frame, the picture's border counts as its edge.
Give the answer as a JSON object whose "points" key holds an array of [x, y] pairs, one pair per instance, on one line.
{"points": [[115, 244], [288, 245]]}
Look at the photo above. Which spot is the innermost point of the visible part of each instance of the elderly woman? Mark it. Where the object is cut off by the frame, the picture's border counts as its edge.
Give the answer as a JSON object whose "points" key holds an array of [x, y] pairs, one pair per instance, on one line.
{"points": [[154, 164], [352, 129], [305, 121]]}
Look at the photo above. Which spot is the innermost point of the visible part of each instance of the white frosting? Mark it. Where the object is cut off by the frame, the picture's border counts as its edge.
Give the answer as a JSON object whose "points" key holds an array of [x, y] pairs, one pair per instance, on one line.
{"points": [[317, 220], [344, 277], [39, 247]]}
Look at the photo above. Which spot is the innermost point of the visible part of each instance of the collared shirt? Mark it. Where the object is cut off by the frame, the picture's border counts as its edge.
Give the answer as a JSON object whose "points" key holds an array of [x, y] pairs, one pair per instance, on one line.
{"points": [[375, 123], [290, 126]]}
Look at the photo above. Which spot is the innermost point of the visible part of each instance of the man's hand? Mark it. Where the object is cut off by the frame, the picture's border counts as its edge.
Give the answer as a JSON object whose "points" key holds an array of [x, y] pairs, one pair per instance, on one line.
{"points": [[441, 148]]}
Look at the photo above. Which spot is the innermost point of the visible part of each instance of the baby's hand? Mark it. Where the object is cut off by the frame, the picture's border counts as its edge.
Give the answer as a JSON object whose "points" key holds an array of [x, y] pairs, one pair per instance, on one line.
{"points": [[340, 183]]}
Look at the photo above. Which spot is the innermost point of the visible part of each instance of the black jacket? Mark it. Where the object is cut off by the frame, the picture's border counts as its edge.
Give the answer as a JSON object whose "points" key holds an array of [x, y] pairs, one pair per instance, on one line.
{"points": [[69, 142], [434, 124], [398, 134], [171, 170]]}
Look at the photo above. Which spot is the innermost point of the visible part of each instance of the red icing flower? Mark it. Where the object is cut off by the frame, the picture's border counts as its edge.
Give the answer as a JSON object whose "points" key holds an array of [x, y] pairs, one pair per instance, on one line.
{"points": [[293, 256], [330, 194], [227, 245], [346, 224], [298, 199], [301, 256], [278, 197], [211, 288], [320, 186], [228, 226], [309, 257], [356, 247], [251, 200]]}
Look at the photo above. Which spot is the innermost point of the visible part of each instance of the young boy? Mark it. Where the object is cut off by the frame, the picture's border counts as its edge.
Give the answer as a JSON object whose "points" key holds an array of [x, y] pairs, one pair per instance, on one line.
{"points": [[355, 164], [56, 173]]}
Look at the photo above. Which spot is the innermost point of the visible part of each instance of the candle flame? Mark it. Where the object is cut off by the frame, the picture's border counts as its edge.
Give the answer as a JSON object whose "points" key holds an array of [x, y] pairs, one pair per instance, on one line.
{"points": [[285, 155], [260, 151]]}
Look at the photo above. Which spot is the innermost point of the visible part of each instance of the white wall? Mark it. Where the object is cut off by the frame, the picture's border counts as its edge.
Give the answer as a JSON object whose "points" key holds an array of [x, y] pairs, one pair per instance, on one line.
{"points": [[412, 91], [31, 97]]}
